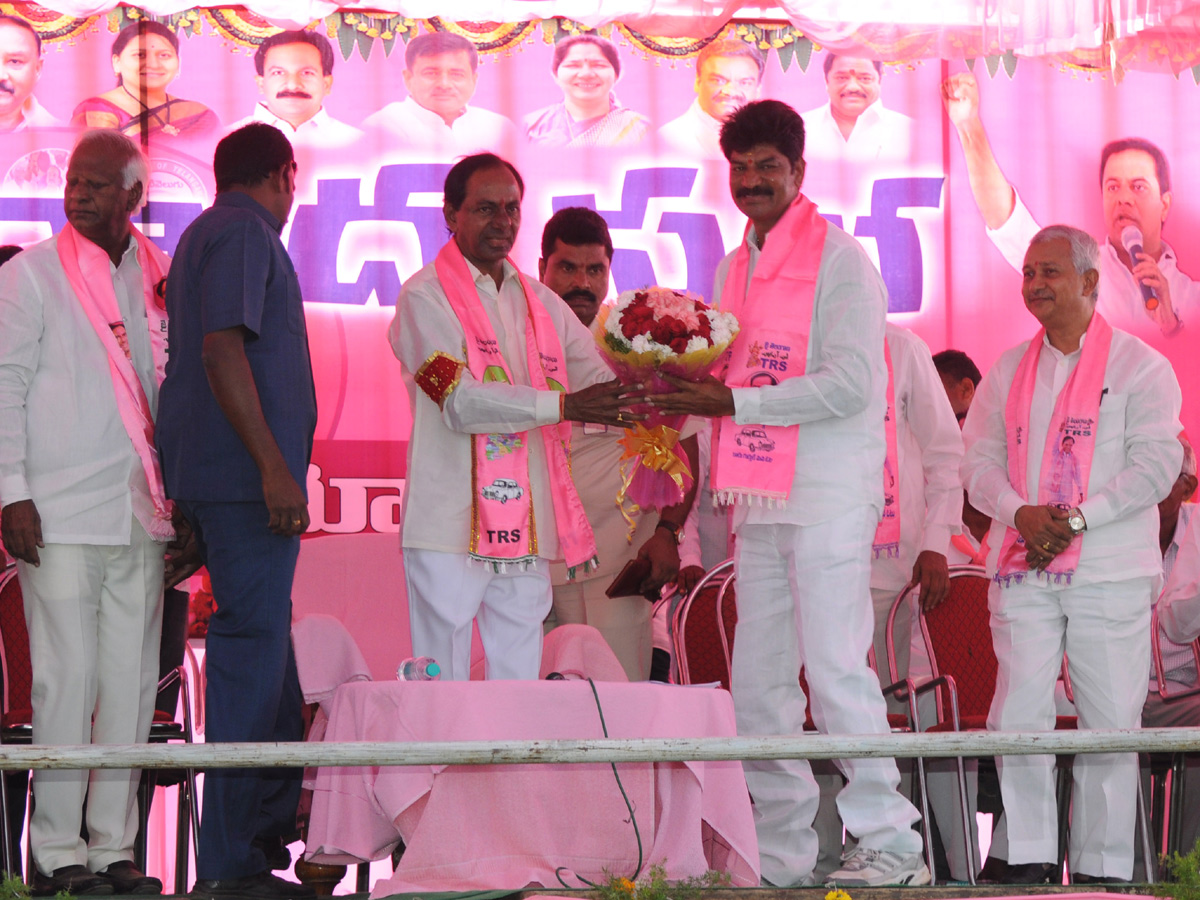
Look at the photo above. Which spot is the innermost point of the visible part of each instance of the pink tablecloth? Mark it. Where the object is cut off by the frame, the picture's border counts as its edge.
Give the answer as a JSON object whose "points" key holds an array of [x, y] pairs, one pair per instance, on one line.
{"points": [[505, 827]]}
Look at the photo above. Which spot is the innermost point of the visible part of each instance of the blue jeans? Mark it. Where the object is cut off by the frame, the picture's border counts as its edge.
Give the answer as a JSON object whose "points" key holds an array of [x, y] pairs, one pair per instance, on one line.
{"points": [[253, 693]]}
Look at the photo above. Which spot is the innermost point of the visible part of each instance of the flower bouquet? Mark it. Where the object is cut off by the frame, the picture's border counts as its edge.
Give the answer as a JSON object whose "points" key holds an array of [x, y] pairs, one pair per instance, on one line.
{"points": [[645, 334]]}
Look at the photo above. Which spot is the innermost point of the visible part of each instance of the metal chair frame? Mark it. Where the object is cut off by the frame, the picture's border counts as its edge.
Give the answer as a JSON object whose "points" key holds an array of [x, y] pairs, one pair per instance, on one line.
{"points": [[1178, 767], [903, 688]]}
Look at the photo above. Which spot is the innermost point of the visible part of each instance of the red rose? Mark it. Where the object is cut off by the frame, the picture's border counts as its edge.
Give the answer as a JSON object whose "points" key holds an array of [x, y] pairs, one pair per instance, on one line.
{"points": [[679, 344], [630, 329], [661, 333]]}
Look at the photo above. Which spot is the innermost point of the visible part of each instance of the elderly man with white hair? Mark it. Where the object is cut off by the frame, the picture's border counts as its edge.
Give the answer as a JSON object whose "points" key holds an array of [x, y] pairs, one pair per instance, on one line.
{"points": [[1078, 578], [82, 352]]}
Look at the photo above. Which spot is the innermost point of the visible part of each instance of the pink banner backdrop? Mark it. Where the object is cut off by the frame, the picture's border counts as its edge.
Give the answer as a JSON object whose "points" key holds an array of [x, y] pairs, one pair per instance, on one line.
{"points": [[368, 206]]}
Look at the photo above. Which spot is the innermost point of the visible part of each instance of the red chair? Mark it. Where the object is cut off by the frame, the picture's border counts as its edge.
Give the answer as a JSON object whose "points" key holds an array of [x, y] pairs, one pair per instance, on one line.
{"points": [[16, 724], [703, 628], [1165, 816], [702, 639]]}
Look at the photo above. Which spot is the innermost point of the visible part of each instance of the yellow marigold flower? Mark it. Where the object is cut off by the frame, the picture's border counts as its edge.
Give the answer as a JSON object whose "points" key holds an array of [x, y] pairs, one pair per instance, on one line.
{"points": [[372, 32], [351, 19], [777, 43], [362, 26], [387, 35], [764, 45], [837, 894], [624, 884]]}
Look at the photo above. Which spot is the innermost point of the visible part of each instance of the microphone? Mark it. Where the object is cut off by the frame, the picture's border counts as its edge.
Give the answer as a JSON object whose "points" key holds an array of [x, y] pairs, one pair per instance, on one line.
{"points": [[1131, 240]]}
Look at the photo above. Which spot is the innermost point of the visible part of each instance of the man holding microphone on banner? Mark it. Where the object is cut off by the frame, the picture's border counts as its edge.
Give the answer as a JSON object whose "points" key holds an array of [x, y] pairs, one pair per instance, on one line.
{"points": [[496, 366], [806, 508], [1141, 286], [1077, 579]]}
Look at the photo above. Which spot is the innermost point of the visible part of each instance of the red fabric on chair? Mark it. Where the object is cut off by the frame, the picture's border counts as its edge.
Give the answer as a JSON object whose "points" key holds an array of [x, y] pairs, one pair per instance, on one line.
{"points": [[706, 659], [14, 645]]}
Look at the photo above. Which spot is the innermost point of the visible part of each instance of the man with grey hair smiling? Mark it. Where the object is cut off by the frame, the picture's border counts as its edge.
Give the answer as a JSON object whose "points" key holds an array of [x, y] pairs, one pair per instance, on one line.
{"points": [[84, 511], [1077, 579]]}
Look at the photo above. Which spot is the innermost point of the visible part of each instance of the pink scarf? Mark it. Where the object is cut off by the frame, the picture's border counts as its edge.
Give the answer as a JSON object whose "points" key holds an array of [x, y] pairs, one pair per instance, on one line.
{"points": [[760, 460], [1076, 415], [887, 534], [86, 266], [502, 525]]}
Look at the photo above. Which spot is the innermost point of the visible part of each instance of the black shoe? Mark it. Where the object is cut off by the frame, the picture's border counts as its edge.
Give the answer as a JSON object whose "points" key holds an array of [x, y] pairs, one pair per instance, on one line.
{"points": [[126, 878], [263, 886], [71, 879], [1081, 878], [279, 857], [1029, 873], [993, 871]]}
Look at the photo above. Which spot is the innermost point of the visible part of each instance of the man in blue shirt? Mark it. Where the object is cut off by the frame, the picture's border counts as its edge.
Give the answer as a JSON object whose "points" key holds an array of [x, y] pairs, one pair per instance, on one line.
{"points": [[236, 419]]}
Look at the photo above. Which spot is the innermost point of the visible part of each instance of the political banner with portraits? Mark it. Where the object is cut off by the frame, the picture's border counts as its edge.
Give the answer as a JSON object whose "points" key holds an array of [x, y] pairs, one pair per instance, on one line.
{"points": [[379, 109]]}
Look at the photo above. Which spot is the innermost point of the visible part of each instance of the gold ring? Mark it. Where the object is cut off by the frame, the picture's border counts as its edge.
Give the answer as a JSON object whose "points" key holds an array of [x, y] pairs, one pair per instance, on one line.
{"points": [[1046, 546], [295, 521]]}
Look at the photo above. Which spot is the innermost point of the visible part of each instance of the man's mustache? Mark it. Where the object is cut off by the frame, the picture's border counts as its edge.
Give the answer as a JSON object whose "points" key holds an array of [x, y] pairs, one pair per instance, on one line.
{"points": [[7, 87], [285, 94], [755, 192], [854, 94], [579, 294]]}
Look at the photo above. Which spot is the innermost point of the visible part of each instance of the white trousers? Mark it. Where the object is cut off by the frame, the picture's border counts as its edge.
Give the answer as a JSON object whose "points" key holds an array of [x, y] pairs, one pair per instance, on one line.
{"points": [[95, 621], [1105, 631], [804, 600], [447, 591], [940, 774], [625, 622]]}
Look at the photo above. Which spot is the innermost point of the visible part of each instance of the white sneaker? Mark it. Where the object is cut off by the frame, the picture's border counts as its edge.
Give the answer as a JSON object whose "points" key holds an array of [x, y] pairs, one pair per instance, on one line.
{"points": [[864, 867]]}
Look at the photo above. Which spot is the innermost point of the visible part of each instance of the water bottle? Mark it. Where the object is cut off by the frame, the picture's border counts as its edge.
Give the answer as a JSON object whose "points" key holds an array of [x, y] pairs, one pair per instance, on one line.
{"points": [[420, 669]]}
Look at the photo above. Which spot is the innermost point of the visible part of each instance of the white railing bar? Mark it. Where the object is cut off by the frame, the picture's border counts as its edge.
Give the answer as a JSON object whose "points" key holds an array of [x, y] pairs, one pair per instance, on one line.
{"points": [[808, 746]]}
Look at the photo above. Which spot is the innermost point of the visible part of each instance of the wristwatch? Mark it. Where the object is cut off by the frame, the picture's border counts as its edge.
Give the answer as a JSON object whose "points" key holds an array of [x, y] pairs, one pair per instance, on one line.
{"points": [[1076, 520], [676, 530]]}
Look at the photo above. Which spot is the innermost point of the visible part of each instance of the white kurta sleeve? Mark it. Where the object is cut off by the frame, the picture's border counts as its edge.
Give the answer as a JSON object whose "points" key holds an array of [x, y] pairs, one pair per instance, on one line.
{"points": [[1153, 453], [932, 422], [423, 325], [20, 346]]}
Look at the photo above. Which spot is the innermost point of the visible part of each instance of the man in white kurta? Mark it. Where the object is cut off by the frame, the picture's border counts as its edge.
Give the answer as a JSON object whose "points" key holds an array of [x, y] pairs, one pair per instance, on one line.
{"points": [[295, 76], [1099, 614], [803, 565], [929, 450], [441, 70], [576, 259], [446, 589], [1135, 183], [854, 124], [78, 514], [728, 75]]}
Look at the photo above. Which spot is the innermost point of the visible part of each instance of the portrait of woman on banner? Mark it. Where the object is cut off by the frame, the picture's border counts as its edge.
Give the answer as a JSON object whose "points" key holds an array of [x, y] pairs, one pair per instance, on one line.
{"points": [[586, 67], [145, 59]]}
